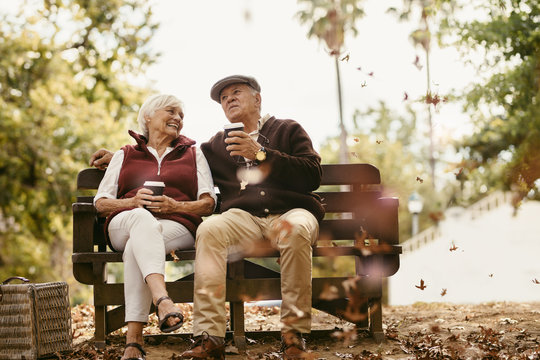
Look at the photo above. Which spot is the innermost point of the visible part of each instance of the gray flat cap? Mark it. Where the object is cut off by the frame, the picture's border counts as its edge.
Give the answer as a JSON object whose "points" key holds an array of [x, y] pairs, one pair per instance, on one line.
{"points": [[215, 92]]}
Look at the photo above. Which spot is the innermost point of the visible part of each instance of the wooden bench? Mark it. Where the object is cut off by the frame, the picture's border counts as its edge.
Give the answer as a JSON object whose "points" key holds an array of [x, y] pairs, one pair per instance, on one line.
{"points": [[356, 212]]}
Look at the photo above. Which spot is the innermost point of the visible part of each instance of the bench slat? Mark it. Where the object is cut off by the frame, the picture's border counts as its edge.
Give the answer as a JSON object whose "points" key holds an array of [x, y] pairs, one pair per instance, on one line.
{"points": [[339, 174], [337, 202]]}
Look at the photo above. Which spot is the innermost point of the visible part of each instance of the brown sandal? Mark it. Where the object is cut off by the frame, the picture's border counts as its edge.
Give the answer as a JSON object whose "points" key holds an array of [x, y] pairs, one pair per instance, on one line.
{"points": [[163, 322], [138, 346]]}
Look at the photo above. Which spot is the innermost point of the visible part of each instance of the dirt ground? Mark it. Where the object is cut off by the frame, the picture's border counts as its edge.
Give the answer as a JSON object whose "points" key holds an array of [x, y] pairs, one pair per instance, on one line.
{"points": [[420, 331]]}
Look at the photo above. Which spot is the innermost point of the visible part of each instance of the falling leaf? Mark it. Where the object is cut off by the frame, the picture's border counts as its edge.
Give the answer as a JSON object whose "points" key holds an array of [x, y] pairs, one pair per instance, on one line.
{"points": [[175, 258], [378, 141], [536, 281], [490, 275], [359, 68], [436, 216], [345, 58], [417, 63], [454, 247], [353, 153], [419, 179], [459, 172], [356, 139], [405, 96], [434, 99], [371, 73], [422, 286], [364, 84], [243, 184], [443, 292]]}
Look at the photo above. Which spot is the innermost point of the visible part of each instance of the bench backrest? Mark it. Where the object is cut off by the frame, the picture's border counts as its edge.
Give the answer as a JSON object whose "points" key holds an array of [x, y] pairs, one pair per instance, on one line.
{"points": [[350, 194]]}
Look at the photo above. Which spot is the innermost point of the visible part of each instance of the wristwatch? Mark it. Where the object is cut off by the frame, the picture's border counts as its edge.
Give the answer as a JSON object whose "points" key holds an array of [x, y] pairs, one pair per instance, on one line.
{"points": [[260, 155]]}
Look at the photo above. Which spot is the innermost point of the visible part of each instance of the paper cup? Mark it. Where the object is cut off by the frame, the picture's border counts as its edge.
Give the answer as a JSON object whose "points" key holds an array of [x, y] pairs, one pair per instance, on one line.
{"points": [[233, 127], [157, 187]]}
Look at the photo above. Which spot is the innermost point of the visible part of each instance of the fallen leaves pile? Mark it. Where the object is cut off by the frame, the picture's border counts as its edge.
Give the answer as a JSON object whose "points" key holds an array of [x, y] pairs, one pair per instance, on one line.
{"points": [[420, 331]]}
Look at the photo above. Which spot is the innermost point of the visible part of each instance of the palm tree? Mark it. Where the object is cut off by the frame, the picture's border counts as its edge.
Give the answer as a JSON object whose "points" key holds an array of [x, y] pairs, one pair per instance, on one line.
{"points": [[329, 21], [421, 37]]}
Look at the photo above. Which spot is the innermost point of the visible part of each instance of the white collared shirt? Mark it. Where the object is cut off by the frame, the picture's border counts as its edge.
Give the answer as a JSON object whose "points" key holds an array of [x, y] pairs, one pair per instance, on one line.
{"points": [[108, 188], [260, 123]]}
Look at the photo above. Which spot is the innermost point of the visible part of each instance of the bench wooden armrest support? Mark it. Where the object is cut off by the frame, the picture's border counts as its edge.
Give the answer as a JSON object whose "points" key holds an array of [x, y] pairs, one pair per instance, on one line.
{"points": [[356, 213]]}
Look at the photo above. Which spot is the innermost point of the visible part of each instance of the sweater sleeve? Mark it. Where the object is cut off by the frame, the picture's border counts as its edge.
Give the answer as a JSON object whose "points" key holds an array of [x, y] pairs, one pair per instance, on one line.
{"points": [[295, 165]]}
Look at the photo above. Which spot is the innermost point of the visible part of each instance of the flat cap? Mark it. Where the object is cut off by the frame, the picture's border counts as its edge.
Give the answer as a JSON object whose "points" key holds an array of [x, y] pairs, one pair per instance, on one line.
{"points": [[215, 92]]}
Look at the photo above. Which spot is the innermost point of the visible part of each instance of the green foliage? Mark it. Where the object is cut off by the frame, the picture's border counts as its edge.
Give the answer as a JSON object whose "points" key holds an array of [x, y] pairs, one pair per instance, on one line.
{"points": [[505, 104], [65, 72]]}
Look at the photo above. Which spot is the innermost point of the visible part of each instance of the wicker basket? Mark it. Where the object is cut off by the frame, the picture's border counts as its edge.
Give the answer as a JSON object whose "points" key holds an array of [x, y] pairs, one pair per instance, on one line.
{"points": [[35, 320]]}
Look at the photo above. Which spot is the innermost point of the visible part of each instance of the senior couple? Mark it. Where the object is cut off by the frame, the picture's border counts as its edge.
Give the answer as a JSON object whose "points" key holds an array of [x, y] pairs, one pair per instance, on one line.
{"points": [[146, 227]]}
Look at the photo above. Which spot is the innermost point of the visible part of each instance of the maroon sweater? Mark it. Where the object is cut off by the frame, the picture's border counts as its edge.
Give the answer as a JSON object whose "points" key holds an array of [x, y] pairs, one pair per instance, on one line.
{"points": [[178, 171], [292, 166]]}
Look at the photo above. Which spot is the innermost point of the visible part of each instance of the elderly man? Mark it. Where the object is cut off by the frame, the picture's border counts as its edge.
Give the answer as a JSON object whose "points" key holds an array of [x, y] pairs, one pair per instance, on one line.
{"points": [[266, 175]]}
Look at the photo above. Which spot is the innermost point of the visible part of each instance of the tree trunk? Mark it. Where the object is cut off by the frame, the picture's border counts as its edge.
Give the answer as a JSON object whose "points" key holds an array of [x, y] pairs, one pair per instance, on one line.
{"points": [[343, 148], [430, 123]]}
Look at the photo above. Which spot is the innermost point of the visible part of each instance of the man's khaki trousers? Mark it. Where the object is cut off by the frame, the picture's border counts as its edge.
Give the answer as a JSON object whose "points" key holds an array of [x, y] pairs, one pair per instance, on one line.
{"points": [[292, 233]]}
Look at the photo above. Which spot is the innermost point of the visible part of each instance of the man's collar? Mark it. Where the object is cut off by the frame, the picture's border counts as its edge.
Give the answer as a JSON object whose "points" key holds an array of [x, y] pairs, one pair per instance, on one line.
{"points": [[262, 121]]}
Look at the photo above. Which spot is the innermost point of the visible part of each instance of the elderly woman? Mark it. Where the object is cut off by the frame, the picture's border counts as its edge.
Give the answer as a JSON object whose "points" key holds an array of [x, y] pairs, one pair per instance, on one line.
{"points": [[146, 227]]}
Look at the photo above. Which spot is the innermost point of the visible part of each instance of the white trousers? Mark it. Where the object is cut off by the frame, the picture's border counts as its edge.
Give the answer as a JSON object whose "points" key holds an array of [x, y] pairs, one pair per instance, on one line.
{"points": [[144, 241], [292, 233]]}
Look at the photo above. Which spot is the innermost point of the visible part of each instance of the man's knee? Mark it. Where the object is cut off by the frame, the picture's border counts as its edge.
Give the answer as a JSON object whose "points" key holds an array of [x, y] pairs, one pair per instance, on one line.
{"points": [[302, 228], [208, 232]]}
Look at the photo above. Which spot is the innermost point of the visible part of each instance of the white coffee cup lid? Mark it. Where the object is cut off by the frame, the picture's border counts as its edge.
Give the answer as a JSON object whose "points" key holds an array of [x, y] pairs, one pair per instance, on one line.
{"points": [[154, 183], [233, 125]]}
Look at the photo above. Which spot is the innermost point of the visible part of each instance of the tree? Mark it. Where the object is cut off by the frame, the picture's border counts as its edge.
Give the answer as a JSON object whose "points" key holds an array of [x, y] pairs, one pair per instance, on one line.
{"points": [[505, 103], [421, 37], [66, 69], [330, 21]]}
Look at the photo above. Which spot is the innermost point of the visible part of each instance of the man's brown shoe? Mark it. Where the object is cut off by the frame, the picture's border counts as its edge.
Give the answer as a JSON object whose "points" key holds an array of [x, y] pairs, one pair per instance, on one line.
{"points": [[293, 346], [206, 347]]}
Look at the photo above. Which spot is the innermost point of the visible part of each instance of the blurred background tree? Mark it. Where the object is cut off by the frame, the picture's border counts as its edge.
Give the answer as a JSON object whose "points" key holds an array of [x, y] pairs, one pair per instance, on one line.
{"points": [[330, 21], [67, 74], [430, 14], [504, 102]]}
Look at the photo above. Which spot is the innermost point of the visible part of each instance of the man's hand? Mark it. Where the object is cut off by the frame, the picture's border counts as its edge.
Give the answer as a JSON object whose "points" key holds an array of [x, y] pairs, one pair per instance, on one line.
{"points": [[240, 143], [101, 159]]}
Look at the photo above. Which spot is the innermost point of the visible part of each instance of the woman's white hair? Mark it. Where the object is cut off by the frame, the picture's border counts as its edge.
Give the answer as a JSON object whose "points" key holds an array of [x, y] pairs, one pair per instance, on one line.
{"points": [[153, 103]]}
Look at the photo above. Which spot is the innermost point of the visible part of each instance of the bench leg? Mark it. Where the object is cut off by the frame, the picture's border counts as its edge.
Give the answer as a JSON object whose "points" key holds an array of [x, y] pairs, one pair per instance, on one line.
{"points": [[375, 321], [100, 315], [237, 325]]}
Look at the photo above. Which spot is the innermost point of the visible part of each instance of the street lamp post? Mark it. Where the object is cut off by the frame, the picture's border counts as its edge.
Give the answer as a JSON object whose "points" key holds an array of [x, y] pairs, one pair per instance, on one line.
{"points": [[415, 206]]}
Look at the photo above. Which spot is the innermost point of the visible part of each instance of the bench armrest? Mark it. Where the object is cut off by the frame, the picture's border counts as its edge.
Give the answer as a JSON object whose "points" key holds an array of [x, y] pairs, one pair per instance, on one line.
{"points": [[84, 215], [387, 225]]}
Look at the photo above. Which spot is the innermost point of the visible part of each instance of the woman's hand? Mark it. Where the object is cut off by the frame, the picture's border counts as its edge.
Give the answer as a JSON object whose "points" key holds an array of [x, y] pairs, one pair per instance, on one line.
{"points": [[143, 198], [165, 205]]}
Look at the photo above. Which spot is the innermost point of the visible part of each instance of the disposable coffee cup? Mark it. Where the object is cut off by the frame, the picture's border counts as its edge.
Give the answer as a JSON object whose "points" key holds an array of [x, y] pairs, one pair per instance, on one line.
{"points": [[157, 188], [233, 127]]}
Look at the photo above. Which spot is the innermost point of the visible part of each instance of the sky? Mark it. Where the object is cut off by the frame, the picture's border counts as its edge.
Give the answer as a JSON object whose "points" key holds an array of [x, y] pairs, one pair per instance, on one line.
{"points": [[203, 41]]}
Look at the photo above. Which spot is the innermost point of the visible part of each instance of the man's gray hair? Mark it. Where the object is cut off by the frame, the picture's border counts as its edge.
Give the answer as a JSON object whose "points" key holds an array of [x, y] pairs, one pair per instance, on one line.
{"points": [[153, 103]]}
